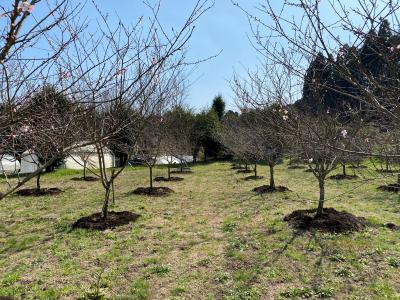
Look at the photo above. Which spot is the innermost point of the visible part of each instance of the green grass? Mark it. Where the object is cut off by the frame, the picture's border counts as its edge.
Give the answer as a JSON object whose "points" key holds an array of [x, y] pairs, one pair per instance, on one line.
{"points": [[212, 239]]}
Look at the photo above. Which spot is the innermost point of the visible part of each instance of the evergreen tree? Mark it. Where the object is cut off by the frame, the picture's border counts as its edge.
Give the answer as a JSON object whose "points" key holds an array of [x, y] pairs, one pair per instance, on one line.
{"points": [[219, 106]]}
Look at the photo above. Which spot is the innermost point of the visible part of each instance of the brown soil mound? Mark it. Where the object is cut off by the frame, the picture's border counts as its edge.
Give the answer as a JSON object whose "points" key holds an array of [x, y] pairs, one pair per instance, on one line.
{"points": [[237, 168], [296, 167], [113, 220], [87, 178], [253, 178], [330, 221], [390, 188], [245, 171], [266, 189], [166, 179], [391, 226], [182, 172], [155, 191], [41, 192], [343, 177]]}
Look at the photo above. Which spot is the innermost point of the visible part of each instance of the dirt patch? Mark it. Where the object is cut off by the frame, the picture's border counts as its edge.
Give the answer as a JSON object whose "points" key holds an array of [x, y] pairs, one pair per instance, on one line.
{"points": [[395, 188], [266, 189], [331, 220], [155, 191], [37, 193], [237, 167], [253, 178], [391, 226], [87, 178], [113, 220], [343, 177], [166, 179], [296, 167], [182, 172], [245, 171]]}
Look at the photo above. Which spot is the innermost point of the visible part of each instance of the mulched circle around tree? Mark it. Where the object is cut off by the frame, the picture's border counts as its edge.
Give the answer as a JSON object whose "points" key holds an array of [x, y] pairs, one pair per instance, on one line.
{"points": [[330, 220], [114, 219], [296, 167], [390, 188], [237, 168], [37, 193], [182, 172], [87, 178], [391, 226], [154, 191], [166, 179], [343, 177], [253, 178], [266, 189], [245, 171]]}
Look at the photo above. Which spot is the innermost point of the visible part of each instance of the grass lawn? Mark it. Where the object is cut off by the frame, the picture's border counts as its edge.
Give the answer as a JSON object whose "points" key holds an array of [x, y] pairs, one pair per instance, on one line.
{"points": [[212, 239]]}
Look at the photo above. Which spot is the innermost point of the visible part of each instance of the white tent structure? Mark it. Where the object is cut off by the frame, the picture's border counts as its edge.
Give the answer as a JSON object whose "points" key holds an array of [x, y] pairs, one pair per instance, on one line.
{"points": [[87, 156], [9, 165], [165, 160], [29, 162]]}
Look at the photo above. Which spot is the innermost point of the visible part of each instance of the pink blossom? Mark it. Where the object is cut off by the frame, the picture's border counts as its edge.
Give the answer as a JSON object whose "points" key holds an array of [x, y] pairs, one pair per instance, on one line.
{"points": [[25, 128], [120, 72], [26, 7], [285, 118]]}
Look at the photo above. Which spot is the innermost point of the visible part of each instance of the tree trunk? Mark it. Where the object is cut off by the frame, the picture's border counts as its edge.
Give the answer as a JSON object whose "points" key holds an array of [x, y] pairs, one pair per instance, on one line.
{"points": [[255, 170], [271, 176], [169, 171], [321, 196], [113, 192], [181, 166], [151, 177], [84, 170], [246, 167], [104, 211], [38, 181], [344, 169]]}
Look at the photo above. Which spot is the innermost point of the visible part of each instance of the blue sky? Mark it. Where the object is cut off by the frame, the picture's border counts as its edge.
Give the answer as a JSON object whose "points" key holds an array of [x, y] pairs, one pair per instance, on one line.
{"points": [[223, 28]]}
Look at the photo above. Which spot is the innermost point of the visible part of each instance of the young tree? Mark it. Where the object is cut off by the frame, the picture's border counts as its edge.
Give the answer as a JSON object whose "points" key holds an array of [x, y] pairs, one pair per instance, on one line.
{"points": [[46, 136], [179, 125], [141, 74]]}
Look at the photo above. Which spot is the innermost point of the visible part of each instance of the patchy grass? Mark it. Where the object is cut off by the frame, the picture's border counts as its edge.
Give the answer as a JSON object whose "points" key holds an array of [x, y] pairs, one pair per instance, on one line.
{"points": [[212, 239]]}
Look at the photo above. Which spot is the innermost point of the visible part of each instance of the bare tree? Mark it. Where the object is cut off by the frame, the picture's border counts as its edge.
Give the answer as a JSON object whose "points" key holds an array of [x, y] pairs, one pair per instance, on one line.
{"points": [[177, 141]]}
